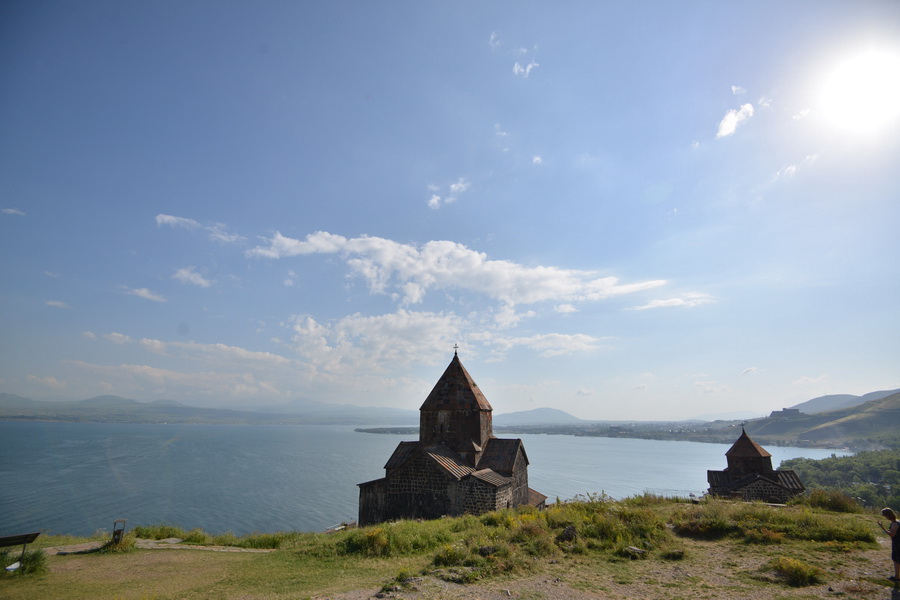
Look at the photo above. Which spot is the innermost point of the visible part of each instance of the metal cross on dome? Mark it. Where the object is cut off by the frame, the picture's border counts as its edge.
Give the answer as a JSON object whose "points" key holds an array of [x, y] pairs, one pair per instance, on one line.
{"points": [[455, 348]]}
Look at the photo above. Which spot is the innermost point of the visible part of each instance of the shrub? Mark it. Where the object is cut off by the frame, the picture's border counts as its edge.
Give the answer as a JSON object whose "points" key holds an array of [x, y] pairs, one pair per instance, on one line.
{"points": [[33, 562], [265, 540], [714, 520], [126, 544], [763, 536], [226, 539], [795, 573], [197, 536], [158, 532], [833, 500], [450, 555]]}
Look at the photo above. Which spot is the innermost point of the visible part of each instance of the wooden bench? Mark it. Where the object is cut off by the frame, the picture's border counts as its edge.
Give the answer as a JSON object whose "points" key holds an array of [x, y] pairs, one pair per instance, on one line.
{"points": [[15, 540]]}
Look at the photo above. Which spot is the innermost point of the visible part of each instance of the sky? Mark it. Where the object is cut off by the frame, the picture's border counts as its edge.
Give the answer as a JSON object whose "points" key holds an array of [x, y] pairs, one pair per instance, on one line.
{"points": [[623, 210]]}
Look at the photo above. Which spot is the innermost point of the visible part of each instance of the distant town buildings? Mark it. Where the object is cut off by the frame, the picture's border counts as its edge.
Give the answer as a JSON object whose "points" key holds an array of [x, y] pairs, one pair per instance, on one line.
{"points": [[750, 476], [456, 467], [786, 413]]}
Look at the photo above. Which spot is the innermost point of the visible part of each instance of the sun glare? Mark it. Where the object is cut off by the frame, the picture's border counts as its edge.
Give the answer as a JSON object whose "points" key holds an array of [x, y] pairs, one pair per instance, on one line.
{"points": [[862, 93]]}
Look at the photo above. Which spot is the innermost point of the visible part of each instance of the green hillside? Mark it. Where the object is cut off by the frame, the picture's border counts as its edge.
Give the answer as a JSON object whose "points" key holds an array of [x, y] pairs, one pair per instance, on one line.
{"points": [[876, 422]]}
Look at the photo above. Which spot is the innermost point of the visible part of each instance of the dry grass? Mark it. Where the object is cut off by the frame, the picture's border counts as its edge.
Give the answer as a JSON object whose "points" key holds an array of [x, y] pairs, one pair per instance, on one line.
{"points": [[315, 566]]}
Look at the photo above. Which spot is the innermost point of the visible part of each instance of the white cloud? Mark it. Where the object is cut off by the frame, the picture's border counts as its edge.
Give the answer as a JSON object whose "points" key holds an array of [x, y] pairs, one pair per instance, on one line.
{"points": [[802, 114], [217, 231], [144, 293], [565, 309], [499, 132], [536, 160], [457, 188], [12, 211], [89, 335], [156, 382], [50, 382], [806, 380], [524, 71], [191, 276], [791, 170], [494, 41], [691, 299], [584, 392], [736, 90], [372, 343], [506, 316], [547, 345], [57, 304], [460, 186], [749, 370], [443, 265], [176, 221], [154, 346], [51, 274], [733, 118], [116, 338], [710, 387]]}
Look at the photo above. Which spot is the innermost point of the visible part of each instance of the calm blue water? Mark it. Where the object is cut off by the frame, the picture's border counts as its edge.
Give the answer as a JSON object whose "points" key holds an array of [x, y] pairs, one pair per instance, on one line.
{"points": [[78, 477]]}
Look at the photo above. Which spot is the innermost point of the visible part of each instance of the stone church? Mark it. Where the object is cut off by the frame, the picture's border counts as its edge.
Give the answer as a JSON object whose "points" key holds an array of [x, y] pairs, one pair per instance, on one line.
{"points": [[456, 467], [750, 476]]}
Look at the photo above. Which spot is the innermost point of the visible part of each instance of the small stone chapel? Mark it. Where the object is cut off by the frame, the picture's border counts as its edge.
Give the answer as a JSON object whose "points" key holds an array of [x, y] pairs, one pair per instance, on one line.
{"points": [[750, 476], [456, 467]]}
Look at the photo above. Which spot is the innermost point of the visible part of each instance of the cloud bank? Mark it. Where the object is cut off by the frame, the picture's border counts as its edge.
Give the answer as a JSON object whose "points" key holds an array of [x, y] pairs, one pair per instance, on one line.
{"points": [[411, 271]]}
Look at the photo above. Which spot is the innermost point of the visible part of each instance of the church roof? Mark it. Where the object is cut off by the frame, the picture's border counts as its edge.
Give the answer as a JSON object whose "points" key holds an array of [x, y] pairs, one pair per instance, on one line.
{"points": [[449, 460], [535, 498], [404, 451], [500, 454], [492, 477], [456, 390], [786, 478], [744, 447]]}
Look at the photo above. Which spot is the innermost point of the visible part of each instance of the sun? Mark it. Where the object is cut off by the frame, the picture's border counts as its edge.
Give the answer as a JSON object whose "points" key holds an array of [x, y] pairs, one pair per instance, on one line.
{"points": [[861, 94]]}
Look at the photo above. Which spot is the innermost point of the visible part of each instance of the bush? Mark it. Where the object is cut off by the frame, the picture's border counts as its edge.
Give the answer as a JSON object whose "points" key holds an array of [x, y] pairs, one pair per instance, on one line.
{"points": [[226, 539], [158, 532], [126, 544], [197, 536], [795, 573], [450, 556], [763, 536], [832, 500], [758, 523], [33, 562]]}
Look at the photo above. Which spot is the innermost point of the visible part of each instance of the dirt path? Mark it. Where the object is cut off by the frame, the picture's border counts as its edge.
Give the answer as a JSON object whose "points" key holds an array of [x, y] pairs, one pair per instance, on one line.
{"points": [[166, 544]]}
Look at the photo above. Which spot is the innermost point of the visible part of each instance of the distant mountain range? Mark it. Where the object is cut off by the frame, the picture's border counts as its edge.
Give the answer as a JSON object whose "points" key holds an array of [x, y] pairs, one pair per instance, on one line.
{"points": [[114, 409], [827, 417], [537, 416], [874, 420], [839, 401]]}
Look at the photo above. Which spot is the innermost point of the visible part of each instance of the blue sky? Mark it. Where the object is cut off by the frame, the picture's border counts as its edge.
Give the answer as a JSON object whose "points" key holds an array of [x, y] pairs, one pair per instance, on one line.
{"points": [[630, 210]]}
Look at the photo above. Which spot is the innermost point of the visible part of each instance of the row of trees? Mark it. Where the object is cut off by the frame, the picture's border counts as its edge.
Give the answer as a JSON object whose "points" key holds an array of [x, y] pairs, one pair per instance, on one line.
{"points": [[872, 478]]}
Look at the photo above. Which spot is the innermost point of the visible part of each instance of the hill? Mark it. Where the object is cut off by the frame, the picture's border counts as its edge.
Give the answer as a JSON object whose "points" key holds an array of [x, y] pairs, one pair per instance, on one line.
{"points": [[537, 416], [115, 409], [839, 401], [875, 421]]}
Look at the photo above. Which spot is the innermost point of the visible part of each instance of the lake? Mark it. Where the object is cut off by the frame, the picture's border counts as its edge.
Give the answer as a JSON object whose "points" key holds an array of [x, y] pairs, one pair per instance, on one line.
{"points": [[77, 478]]}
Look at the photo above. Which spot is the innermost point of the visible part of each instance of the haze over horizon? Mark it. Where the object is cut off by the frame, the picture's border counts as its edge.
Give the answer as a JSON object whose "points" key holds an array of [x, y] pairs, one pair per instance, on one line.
{"points": [[621, 210]]}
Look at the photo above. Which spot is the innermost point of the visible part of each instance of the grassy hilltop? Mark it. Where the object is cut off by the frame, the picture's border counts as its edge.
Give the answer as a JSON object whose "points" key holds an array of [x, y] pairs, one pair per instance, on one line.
{"points": [[643, 547]]}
